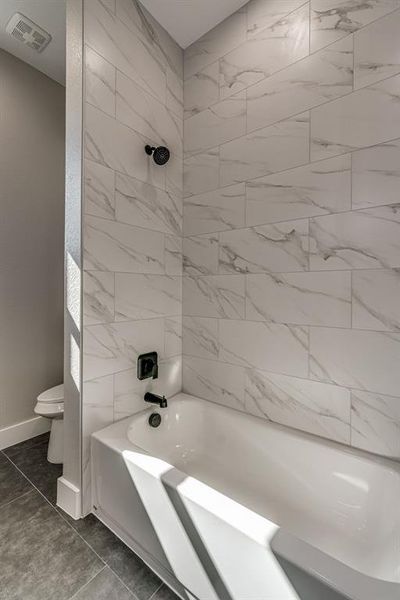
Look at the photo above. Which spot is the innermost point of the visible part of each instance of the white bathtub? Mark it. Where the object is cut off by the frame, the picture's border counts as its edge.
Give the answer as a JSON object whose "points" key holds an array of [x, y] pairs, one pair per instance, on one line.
{"points": [[226, 506]]}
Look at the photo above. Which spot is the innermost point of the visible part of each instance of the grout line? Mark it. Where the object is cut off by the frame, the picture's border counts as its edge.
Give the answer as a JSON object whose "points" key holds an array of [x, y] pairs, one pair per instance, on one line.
{"points": [[157, 590], [88, 582], [17, 498]]}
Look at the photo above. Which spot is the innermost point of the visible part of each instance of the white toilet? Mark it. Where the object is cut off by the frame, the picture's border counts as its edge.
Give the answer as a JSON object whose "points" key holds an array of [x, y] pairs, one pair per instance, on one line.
{"points": [[50, 404]]}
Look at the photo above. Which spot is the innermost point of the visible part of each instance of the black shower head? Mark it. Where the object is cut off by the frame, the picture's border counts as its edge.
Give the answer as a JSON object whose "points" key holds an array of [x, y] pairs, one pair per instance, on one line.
{"points": [[160, 155]]}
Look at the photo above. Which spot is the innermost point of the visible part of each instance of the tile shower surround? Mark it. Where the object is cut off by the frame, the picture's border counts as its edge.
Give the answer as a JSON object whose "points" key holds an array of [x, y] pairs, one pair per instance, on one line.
{"points": [[291, 252], [269, 244]]}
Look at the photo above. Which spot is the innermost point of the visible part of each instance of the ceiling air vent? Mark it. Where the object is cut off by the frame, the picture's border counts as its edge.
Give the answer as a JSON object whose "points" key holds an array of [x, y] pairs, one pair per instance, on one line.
{"points": [[27, 32]]}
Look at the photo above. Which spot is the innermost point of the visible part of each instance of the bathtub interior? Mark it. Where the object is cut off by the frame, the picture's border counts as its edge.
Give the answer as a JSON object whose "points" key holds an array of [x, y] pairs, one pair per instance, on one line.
{"points": [[339, 501]]}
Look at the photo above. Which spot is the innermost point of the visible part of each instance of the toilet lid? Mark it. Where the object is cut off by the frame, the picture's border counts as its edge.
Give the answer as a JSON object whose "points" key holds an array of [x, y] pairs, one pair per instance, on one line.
{"points": [[54, 394]]}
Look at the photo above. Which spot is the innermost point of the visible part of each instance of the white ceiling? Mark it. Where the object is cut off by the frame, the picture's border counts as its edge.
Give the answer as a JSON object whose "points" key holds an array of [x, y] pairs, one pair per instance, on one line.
{"points": [[187, 20], [50, 15]]}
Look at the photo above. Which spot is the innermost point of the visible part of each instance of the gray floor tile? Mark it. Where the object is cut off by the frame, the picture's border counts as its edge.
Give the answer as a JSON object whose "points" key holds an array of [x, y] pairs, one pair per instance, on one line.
{"points": [[41, 557], [165, 593], [105, 586], [31, 458], [126, 564], [12, 483]]}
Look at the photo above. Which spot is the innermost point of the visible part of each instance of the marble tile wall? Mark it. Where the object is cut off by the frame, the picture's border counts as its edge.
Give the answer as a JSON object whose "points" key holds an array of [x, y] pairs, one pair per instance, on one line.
{"points": [[133, 213], [291, 217]]}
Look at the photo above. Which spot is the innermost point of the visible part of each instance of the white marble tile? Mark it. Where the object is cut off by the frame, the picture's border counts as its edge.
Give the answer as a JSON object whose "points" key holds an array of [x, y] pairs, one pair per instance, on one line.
{"points": [[214, 44], [174, 175], [375, 423], [114, 347], [334, 19], [366, 117], [200, 337], [200, 255], [267, 346], [363, 239], [127, 50], [317, 408], [99, 197], [261, 14], [201, 90], [214, 296], [174, 101], [275, 148], [98, 297], [268, 248], [201, 173], [129, 391], [214, 381], [216, 125], [112, 144], [315, 189], [376, 295], [300, 298], [110, 246], [376, 175], [173, 255], [99, 82], [316, 79], [146, 115], [366, 360], [173, 336], [147, 296], [141, 204], [214, 211], [275, 47], [376, 51]]}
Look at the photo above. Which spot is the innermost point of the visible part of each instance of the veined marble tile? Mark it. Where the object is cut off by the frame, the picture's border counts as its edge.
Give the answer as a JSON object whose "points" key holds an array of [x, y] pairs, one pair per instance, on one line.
{"points": [[317, 408], [376, 302], [275, 47], [98, 297], [214, 381], [214, 44], [315, 189], [366, 117], [269, 248], [214, 296], [128, 51], [147, 296], [114, 347], [174, 175], [215, 125], [200, 337], [316, 79], [110, 246], [200, 255], [146, 115], [99, 82], [112, 144], [215, 211], [366, 360], [333, 19], [275, 148], [143, 205], [99, 198], [300, 298], [261, 14], [376, 51], [129, 391], [376, 175], [173, 336], [201, 172], [363, 239], [174, 102], [201, 90], [375, 423], [173, 255], [267, 346]]}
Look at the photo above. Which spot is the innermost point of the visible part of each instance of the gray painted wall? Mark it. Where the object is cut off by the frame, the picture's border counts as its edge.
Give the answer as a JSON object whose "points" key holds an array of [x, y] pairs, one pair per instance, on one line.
{"points": [[32, 134]]}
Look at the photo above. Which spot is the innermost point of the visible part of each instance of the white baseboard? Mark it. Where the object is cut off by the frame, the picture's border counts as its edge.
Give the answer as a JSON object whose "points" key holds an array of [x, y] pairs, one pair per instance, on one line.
{"points": [[69, 498], [19, 432]]}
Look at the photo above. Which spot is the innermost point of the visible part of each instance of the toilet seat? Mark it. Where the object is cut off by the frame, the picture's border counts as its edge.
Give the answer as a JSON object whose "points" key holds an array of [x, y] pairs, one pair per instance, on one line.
{"points": [[49, 409], [54, 394]]}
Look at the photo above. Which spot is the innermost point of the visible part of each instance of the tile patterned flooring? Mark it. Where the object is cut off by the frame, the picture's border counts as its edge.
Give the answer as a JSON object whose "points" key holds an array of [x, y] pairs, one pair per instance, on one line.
{"points": [[44, 554]]}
